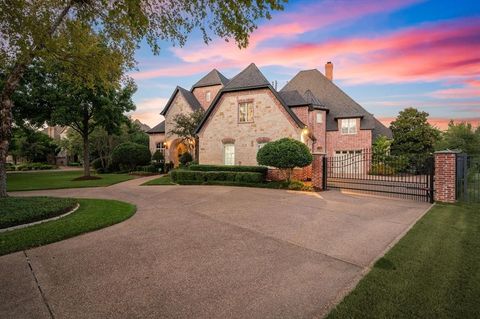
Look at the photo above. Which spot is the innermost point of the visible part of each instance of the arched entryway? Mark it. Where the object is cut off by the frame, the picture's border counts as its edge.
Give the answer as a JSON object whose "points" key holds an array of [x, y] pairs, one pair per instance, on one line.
{"points": [[177, 148]]}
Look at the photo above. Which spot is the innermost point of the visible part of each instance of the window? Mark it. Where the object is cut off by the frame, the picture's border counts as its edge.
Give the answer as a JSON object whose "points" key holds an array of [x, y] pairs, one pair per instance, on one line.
{"points": [[208, 96], [319, 117], [160, 146], [349, 126], [229, 154], [245, 112]]}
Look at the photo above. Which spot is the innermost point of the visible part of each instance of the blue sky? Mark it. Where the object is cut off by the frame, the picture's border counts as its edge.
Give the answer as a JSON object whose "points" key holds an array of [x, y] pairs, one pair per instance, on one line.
{"points": [[387, 55]]}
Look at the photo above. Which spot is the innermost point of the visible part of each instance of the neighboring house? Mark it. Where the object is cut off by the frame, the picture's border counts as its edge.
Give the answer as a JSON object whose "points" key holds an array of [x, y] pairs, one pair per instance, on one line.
{"points": [[245, 112], [58, 133]]}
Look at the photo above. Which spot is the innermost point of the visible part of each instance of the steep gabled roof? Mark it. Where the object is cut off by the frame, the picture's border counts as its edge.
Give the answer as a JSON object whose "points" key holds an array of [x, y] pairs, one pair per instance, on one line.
{"points": [[339, 104], [212, 78], [381, 129], [250, 77], [159, 128], [312, 99], [187, 95], [293, 98]]}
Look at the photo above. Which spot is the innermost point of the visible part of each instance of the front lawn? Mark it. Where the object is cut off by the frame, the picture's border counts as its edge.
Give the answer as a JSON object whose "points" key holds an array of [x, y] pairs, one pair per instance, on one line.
{"points": [[93, 214], [433, 272], [163, 180], [53, 180], [23, 210]]}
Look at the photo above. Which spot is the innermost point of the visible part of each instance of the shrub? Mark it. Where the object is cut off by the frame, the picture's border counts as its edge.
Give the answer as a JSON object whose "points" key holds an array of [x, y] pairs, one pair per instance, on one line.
{"points": [[158, 157], [9, 167], [147, 168], [74, 164], [185, 158], [97, 164], [285, 154], [35, 166], [381, 169], [229, 168], [182, 176], [127, 156], [299, 186]]}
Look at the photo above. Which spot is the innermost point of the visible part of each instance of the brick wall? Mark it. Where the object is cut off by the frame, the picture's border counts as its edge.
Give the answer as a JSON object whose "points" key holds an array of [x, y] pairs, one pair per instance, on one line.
{"points": [[336, 141], [319, 131], [299, 174], [445, 176], [200, 94], [317, 171]]}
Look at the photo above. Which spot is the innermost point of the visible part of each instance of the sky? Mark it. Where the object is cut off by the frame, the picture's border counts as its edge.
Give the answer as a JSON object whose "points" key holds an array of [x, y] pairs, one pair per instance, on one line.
{"points": [[387, 55]]}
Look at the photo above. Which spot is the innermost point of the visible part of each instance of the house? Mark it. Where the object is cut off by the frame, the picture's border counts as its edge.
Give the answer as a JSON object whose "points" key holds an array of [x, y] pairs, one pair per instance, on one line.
{"points": [[245, 112], [58, 133]]}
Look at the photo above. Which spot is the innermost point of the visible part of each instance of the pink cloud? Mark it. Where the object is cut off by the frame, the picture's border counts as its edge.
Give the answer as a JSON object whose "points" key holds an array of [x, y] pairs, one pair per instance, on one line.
{"points": [[439, 122]]}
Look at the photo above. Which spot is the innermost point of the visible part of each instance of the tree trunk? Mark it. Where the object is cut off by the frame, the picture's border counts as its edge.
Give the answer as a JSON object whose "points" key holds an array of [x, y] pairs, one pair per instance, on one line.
{"points": [[6, 103], [86, 156]]}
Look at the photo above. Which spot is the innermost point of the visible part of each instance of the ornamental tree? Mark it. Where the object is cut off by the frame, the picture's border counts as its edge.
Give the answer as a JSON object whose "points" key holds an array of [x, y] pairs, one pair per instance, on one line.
{"points": [[35, 29], [127, 156], [285, 154]]}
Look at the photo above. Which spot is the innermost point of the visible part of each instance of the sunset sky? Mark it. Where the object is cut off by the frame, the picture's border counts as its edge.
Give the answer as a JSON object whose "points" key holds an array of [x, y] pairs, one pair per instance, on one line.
{"points": [[387, 55]]}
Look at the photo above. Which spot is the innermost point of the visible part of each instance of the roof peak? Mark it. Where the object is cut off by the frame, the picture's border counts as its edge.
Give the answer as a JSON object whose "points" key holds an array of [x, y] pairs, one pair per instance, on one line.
{"points": [[214, 77], [251, 76]]}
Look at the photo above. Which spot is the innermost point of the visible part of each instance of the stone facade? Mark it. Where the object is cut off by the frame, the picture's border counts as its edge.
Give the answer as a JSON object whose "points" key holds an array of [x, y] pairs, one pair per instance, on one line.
{"points": [[155, 138], [336, 141], [445, 176], [270, 120], [201, 93]]}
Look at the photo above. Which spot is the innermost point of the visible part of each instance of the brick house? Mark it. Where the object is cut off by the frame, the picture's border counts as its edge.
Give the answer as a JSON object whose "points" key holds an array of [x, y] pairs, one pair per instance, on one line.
{"points": [[245, 112]]}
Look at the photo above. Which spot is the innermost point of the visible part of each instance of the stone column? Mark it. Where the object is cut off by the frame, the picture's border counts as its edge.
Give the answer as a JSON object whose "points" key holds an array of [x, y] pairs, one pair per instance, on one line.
{"points": [[445, 176], [317, 171]]}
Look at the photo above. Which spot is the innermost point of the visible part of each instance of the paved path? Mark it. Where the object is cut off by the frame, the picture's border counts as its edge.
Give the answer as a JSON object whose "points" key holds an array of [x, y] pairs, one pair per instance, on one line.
{"points": [[206, 252]]}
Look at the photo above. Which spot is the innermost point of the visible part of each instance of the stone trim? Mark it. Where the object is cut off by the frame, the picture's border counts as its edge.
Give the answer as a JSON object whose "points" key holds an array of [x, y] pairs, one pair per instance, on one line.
{"points": [[228, 140]]}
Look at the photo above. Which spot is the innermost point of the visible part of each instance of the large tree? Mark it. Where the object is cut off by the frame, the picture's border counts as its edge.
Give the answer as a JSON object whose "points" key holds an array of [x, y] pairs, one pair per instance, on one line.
{"points": [[33, 29], [460, 136], [412, 134], [185, 126]]}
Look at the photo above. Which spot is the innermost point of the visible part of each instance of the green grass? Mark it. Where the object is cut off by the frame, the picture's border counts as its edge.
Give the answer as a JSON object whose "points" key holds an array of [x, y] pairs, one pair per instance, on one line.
{"points": [[54, 180], [163, 180], [93, 214], [22, 210], [433, 272]]}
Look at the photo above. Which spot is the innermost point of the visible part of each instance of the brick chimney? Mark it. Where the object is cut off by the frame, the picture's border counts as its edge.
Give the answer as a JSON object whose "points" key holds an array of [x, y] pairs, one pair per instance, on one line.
{"points": [[329, 70]]}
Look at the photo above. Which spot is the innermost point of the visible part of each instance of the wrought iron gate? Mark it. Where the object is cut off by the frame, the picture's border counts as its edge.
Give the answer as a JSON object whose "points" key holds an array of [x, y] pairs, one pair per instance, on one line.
{"points": [[468, 178], [409, 177]]}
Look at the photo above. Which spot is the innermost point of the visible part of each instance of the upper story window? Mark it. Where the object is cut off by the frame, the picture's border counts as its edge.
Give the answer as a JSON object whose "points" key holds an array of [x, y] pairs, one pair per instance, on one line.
{"points": [[160, 146], [245, 112], [208, 96], [319, 117], [348, 126]]}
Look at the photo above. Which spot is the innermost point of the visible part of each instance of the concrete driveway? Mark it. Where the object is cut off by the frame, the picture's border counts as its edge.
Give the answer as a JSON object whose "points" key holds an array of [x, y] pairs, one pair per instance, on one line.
{"points": [[206, 252]]}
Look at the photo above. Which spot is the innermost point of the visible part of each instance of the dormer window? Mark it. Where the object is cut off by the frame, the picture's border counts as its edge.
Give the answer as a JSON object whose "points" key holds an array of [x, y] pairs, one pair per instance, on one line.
{"points": [[245, 112], [208, 96], [348, 126]]}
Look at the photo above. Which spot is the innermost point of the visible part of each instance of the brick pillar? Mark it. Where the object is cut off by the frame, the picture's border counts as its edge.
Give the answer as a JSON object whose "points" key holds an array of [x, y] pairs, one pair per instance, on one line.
{"points": [[317, 171], [445, 176]]}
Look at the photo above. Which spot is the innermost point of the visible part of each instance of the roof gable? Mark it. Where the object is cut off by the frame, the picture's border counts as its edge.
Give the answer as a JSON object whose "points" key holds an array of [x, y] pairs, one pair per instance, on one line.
{"points": [[159, 128], [187, 95], [250, 77], [293, 98], [213, 77]]}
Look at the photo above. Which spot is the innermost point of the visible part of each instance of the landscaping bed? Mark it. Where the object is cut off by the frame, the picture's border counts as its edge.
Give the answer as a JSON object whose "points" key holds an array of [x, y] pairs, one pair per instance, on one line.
{"points": [[433, 272], [23, 210], [93, 214]]}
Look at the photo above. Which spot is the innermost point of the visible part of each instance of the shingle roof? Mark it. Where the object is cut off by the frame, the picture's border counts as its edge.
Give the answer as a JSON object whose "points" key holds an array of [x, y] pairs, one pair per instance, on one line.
{"points": [[292, 98], [248, 78], [339, 104], [312, 99], [381, 129], [159, 128], [187, 95], [212, 78]]}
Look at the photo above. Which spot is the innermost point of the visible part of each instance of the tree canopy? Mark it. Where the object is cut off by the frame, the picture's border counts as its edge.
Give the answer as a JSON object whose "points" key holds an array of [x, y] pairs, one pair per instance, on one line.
{"points": [[460, 136]]}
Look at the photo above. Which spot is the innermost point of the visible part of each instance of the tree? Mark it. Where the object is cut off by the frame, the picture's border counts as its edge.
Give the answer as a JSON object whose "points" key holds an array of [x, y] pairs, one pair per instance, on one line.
{"points": [[381, 148], [285, 154], [185, 126], [460, 136], [413, 136], [37, 29], [32, 145], [127, 156]]}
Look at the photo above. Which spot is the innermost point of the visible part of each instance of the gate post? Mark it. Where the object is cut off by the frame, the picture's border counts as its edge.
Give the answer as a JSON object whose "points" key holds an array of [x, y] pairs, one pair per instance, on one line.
{"points": [[445, 176], [318, 172]]}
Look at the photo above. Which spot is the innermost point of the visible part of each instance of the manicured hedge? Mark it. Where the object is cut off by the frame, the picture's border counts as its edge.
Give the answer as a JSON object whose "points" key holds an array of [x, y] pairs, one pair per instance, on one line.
{"points": [[181, 176], [35, 167], [229, 168]]}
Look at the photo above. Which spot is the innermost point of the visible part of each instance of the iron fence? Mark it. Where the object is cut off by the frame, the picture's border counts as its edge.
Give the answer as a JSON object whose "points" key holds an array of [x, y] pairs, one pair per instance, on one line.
{"points": [[468, 178]]}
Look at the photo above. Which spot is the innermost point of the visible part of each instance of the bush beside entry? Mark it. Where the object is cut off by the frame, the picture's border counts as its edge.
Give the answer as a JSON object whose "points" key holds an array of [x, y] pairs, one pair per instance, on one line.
{"points": [[285, 154], [127, 156]]}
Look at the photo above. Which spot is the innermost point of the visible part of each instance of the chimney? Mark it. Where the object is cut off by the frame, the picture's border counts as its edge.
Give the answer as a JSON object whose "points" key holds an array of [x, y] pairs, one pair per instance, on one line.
{"points": [[329, 70]]}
